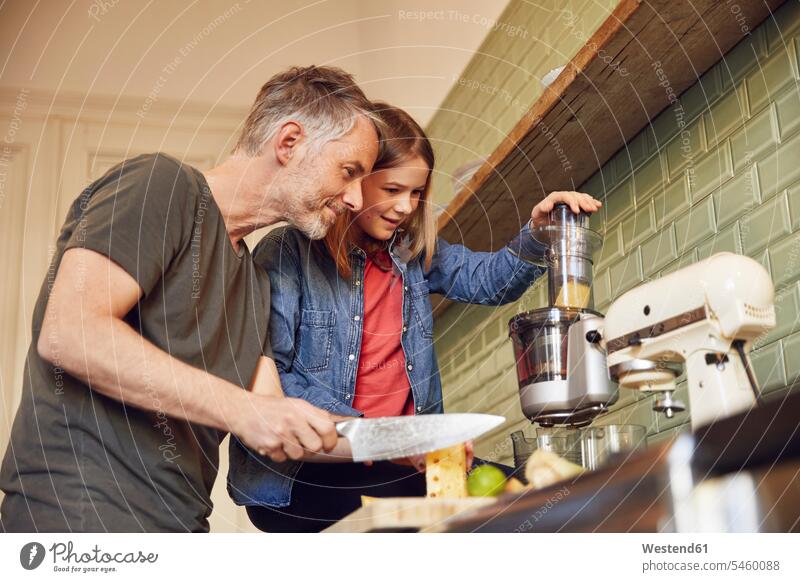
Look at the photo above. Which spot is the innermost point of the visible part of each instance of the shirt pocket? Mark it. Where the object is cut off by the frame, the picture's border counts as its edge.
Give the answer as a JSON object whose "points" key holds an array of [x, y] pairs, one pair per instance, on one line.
{"points": [[421, 306], [315, 339]]}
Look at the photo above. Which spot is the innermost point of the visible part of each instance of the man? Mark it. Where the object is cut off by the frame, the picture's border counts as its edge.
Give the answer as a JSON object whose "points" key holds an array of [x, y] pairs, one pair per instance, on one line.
{"points": [[155, 318]]}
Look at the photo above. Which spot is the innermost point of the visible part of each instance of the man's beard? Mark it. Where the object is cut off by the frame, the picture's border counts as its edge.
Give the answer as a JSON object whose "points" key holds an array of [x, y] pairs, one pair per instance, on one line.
{"points": [[313, 226], [306, 211], [315, 222]]}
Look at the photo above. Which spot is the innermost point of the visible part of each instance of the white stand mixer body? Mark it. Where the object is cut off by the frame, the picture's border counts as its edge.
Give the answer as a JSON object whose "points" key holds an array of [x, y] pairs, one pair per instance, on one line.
{"points": [[695, 316]]}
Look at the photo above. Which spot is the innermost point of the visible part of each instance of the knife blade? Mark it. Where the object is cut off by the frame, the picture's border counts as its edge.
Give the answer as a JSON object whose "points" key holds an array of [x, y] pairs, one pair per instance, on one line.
{"points": [[394, 437]]}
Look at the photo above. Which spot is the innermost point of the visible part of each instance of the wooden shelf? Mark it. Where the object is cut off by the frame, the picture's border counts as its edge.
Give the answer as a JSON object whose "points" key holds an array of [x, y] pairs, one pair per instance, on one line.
{"points": [[591, 110]]}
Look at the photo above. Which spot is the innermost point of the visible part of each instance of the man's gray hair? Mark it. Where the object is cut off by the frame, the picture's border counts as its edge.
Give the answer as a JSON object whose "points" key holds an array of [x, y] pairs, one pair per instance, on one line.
{"points": [[325, 100]]}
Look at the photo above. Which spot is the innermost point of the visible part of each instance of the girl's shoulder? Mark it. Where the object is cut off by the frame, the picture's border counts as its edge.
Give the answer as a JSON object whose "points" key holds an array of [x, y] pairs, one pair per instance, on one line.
{"points": [[284, 241], [287, 249]]}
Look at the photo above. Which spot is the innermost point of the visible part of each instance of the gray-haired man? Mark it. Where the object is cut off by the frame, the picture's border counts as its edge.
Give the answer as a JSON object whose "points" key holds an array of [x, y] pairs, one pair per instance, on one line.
{"points": [[157, 318]]}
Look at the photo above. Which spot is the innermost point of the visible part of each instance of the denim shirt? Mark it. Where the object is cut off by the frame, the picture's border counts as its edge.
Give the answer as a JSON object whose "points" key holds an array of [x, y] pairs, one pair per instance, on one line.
{"points": [[316, 324]]}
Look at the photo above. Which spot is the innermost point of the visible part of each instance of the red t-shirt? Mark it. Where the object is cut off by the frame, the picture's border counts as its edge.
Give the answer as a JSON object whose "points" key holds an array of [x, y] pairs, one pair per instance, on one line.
{"points": [[382, 386]]}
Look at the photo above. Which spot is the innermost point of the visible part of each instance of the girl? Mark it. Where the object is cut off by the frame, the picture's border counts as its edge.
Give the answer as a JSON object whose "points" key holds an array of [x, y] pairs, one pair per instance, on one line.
{"points": [[352, 329]]}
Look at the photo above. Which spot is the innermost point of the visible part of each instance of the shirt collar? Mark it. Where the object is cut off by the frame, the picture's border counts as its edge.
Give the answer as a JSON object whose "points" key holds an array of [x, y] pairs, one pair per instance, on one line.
{"points": [[397, 247]]}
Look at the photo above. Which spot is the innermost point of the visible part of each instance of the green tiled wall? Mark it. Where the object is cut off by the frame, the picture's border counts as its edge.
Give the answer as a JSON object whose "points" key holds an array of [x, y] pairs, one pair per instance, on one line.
{"points": [[729, 182], [504, 79]]}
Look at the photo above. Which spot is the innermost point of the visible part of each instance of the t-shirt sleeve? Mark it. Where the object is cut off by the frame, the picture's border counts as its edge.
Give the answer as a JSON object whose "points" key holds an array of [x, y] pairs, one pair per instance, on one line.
{"points": [[136, 215], [267, 350]]}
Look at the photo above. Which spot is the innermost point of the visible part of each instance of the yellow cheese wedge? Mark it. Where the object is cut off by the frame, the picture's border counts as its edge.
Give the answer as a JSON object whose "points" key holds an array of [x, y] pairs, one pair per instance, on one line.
{"points": [[446, 472], [573, 294]]}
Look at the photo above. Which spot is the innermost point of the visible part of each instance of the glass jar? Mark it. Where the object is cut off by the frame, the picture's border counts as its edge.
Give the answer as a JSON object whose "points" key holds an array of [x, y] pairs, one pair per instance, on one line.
{"points": [[564, 443], [598, 443]]}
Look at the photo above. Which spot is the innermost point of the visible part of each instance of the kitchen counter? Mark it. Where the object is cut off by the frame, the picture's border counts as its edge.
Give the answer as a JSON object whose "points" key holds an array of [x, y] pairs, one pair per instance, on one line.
{"points": [[738, 474]]}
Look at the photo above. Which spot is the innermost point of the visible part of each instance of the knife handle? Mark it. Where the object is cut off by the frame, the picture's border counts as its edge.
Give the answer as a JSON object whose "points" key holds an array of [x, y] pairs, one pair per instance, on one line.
{"points": [[344, 428], [342, 453]]}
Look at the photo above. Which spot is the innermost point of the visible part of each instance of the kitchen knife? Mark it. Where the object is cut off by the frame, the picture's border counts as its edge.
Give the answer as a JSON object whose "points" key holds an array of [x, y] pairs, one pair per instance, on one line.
{"points": [[394, 437]]}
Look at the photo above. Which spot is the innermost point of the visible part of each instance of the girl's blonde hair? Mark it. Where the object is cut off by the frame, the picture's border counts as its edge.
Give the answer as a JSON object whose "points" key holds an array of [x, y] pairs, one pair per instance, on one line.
{"points": [[401, 139]]}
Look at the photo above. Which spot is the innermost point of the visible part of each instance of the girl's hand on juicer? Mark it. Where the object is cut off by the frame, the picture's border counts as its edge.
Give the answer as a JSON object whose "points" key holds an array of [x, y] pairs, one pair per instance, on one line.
{"points": [[577, 201]]}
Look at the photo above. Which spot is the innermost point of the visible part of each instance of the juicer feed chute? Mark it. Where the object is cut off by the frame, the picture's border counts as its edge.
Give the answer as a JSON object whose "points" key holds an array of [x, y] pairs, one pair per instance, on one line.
{"points": [[561, 368]]}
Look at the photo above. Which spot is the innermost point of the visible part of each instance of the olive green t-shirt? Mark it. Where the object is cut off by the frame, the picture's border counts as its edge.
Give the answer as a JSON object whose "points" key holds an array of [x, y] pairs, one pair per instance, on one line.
{"points": [[80, 461]]}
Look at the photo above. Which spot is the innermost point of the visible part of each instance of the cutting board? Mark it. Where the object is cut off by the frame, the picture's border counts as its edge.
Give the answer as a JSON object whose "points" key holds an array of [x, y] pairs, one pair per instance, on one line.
{"points": [[406, 514]]}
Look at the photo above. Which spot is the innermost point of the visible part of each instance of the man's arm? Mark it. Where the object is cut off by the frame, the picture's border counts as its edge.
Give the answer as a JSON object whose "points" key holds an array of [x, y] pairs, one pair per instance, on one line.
{"points": [[90, 297]]}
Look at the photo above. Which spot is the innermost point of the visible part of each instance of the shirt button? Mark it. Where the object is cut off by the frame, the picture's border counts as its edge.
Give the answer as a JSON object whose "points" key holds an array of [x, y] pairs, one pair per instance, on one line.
{"points": [[358, 283], [405, 328], [419, 408], [410, 367], [347, 397], [406, 287], [356, 318], [351, 357]]}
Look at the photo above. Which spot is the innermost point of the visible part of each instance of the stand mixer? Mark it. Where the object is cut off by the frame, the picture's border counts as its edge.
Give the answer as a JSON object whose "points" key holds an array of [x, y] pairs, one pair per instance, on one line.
{"points": [[705, 316], [561, 366]]}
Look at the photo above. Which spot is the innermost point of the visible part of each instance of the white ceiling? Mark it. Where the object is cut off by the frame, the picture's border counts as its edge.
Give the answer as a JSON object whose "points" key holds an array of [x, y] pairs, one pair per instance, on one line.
{"points": [[221, 51]]}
